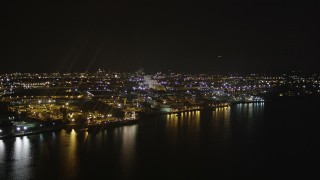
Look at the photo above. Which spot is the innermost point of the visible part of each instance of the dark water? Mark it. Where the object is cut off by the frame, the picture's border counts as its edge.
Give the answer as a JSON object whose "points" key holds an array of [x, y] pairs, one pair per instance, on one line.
{"points": [[264, 141]]}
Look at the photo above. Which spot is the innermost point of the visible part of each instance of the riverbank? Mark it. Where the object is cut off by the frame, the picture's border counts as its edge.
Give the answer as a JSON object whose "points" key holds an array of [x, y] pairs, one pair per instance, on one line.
{"points": [[20, 134], [103, 125], [110, 124]]}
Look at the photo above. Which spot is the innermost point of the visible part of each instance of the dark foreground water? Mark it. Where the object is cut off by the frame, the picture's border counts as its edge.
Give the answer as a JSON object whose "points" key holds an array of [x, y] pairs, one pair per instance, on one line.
{"points": [[262, 141]]}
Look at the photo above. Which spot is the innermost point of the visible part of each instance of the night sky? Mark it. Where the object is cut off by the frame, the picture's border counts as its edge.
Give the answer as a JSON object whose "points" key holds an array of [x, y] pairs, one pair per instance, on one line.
{"points": [[157, 35]]}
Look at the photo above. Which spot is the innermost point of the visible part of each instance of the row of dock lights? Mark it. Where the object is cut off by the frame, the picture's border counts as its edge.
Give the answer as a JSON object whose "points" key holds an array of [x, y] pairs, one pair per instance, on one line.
{"points": [[49, 101]]}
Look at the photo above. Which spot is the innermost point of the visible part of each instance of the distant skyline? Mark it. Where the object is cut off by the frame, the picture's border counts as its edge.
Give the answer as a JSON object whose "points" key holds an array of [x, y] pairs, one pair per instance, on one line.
{"points": [[223, 36]]}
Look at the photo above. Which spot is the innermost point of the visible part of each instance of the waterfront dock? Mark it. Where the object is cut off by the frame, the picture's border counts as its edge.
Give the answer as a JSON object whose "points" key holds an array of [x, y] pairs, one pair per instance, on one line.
{"points": [[103, 125]]}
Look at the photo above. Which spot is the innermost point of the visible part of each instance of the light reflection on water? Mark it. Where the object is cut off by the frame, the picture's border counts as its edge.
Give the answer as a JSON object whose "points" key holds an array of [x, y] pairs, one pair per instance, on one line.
{"points": [[219, 137], [221, 116], [20, 157], [18, 153], [180, 120], [69, 140], [2, 150], [23, 156], [182, 125], [2, 158], [128, 147]]}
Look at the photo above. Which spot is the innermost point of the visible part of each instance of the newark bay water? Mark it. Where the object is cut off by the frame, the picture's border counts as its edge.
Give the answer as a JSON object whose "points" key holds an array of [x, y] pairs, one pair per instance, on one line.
{"points": [[259, 140]]}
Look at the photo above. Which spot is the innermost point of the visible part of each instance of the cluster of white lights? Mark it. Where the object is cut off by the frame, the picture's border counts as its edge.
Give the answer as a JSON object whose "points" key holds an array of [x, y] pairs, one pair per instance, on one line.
{"points": [[24, 128]]}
